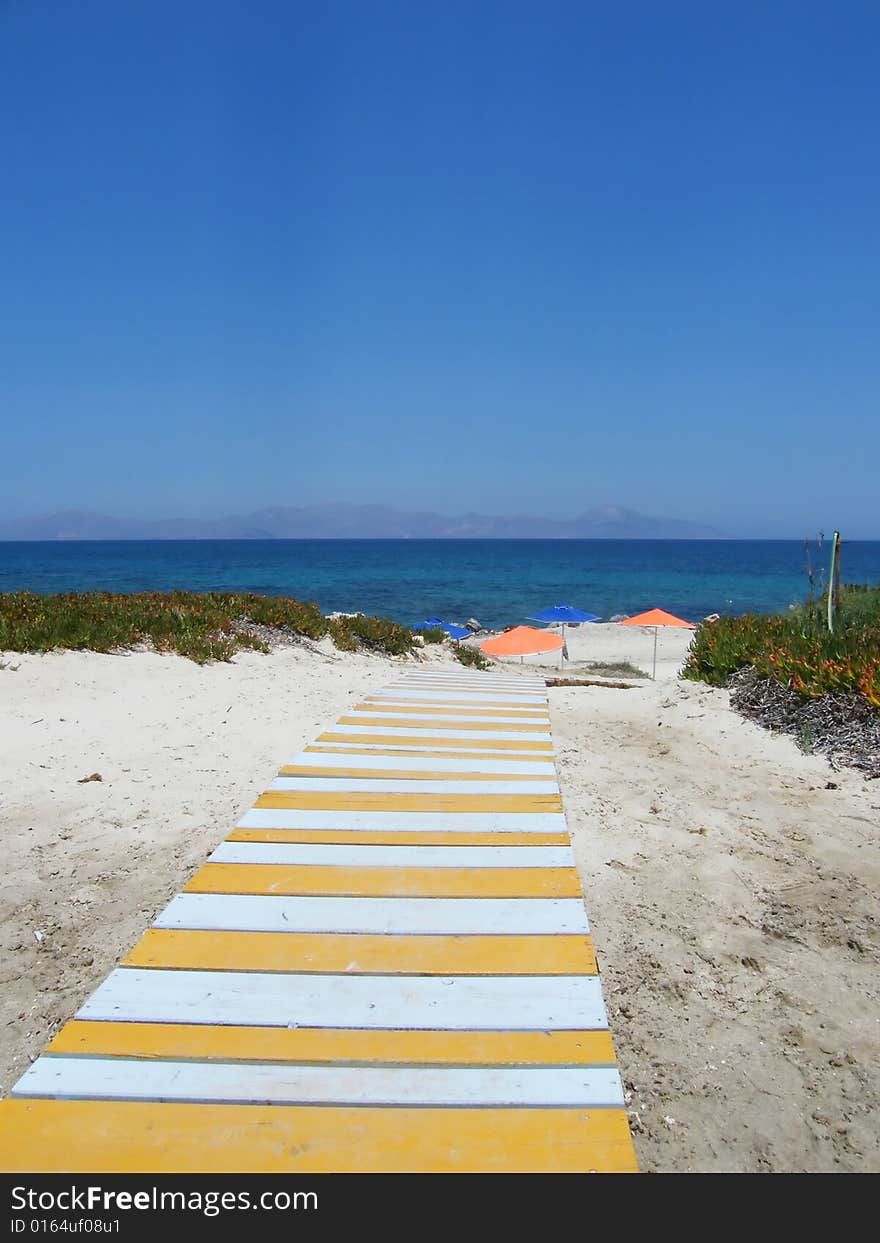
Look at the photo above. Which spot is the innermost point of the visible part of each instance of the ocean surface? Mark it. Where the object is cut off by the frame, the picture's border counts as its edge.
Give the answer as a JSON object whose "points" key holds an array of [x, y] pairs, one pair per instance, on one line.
{"points": [[499, 582]]}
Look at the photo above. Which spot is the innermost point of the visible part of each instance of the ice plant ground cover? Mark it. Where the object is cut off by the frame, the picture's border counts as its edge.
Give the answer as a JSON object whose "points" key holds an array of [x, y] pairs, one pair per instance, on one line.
{"points": [[797, 649], [203, 626]]}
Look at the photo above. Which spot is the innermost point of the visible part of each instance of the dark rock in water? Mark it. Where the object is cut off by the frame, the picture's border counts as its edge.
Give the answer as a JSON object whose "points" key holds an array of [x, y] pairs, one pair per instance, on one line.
{"points": [[843, 727], [473, 625]]}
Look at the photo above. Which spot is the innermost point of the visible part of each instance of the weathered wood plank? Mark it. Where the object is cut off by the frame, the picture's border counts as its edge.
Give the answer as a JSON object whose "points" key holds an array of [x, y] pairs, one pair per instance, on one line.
{"points": [[509, 1003], [380, 821], [429, 722], [398, 762], [392, 838], [274, 879], [403, 801], [254, 1083], [402, 916], [363, 954], [379, 784], [454, 856], [334, 1044], [121, 1136]]}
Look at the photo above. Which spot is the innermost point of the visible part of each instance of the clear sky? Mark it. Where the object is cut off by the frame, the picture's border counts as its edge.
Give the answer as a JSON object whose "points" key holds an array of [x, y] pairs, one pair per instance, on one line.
{"points": [[450, 254]]}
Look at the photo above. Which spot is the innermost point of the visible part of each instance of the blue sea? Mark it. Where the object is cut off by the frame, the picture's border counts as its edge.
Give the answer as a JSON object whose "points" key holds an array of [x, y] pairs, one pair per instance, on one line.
{"points": [[499, 582]]}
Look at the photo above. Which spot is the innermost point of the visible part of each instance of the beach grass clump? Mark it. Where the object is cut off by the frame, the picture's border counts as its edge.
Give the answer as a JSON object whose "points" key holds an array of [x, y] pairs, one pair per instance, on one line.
{"points": [[431, 634], [471, 656], [342, 635], [378, 634], [797, 649], [613, 669], [202, 626]]}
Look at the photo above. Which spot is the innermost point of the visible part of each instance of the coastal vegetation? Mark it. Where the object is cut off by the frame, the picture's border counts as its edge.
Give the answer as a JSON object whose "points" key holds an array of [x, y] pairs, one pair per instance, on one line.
{"points": [[791, 673], [470, 656], [202, 626], [377, 634], [611, 669], [796, 648], [432, 634]]}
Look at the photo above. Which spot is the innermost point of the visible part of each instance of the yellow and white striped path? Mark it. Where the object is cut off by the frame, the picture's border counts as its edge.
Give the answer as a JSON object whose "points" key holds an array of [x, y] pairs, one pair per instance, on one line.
{"points": [[386, 966]]}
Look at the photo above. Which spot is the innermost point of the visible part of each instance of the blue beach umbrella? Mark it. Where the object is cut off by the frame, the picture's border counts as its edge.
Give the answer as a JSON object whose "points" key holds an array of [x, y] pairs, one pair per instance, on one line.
{"points": [[432, 623], [564, 613]]}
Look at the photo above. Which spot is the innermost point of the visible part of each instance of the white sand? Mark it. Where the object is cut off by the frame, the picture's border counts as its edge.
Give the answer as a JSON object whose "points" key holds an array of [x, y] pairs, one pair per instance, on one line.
{"points": [[731, 894], [182, 749]]}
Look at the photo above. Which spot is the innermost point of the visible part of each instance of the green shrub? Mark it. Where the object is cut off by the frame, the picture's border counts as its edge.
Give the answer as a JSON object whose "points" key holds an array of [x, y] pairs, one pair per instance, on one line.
{"points": [[376, 633], [610, 669], [471, 656], [433, 634], [341, 635]]}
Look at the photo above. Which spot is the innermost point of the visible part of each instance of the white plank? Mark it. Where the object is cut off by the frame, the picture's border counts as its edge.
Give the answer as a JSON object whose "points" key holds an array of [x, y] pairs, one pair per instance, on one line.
{"points": [[424, 730], [445, 747], [453, 712], [513, 688], [480, 675], [480, 678], [391, 916], [87, 1078], [480, 682], [451, 719], [381, 821], [465, 697], [414, 763], [401, 785], [331, 855], [447, 1003], [476, 688]]}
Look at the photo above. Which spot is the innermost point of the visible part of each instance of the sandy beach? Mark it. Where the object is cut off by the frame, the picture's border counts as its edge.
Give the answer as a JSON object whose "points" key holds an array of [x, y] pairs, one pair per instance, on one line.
{"points": [[730, 879], [606, 643]]}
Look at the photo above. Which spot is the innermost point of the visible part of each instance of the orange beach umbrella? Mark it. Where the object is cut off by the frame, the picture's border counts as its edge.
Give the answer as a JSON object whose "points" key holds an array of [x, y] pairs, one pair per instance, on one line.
{"points": [[522, 641], [656, 618]]}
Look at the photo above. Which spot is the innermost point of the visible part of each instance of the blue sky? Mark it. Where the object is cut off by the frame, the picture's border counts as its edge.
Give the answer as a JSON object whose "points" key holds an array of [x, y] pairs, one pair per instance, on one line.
{"points": [[504, 257]]}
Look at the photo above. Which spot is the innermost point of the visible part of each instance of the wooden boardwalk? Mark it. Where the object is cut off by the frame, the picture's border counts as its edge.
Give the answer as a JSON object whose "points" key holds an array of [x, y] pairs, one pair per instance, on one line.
{"points": [[386, 966]]}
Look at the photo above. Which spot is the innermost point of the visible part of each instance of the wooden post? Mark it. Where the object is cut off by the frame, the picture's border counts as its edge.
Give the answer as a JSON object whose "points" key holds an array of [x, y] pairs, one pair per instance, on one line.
{"points": [[834, 581]]}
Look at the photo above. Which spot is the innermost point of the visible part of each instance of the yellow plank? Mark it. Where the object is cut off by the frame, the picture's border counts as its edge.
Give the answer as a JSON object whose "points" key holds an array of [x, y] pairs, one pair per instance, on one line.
{"points": [[390, 740], [328, 800], [462, 714], [386, 882], [394, 722], [142, 1136], [400, 774], [316, 748], [394, 837], [201, 1042], [363, 954]]}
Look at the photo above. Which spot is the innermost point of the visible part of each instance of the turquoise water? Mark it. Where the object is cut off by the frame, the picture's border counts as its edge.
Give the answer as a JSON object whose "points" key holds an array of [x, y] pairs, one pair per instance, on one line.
{"points": [[497, 581]]}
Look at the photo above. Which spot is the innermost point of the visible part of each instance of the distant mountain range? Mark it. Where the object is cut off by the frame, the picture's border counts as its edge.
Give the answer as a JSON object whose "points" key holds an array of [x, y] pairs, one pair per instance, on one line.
{"points": [[354, 522]]}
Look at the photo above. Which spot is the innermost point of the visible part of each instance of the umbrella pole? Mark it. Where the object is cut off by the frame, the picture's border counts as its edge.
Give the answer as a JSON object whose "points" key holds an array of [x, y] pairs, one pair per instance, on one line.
{"points": [[654, 674], [562, 649]]}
